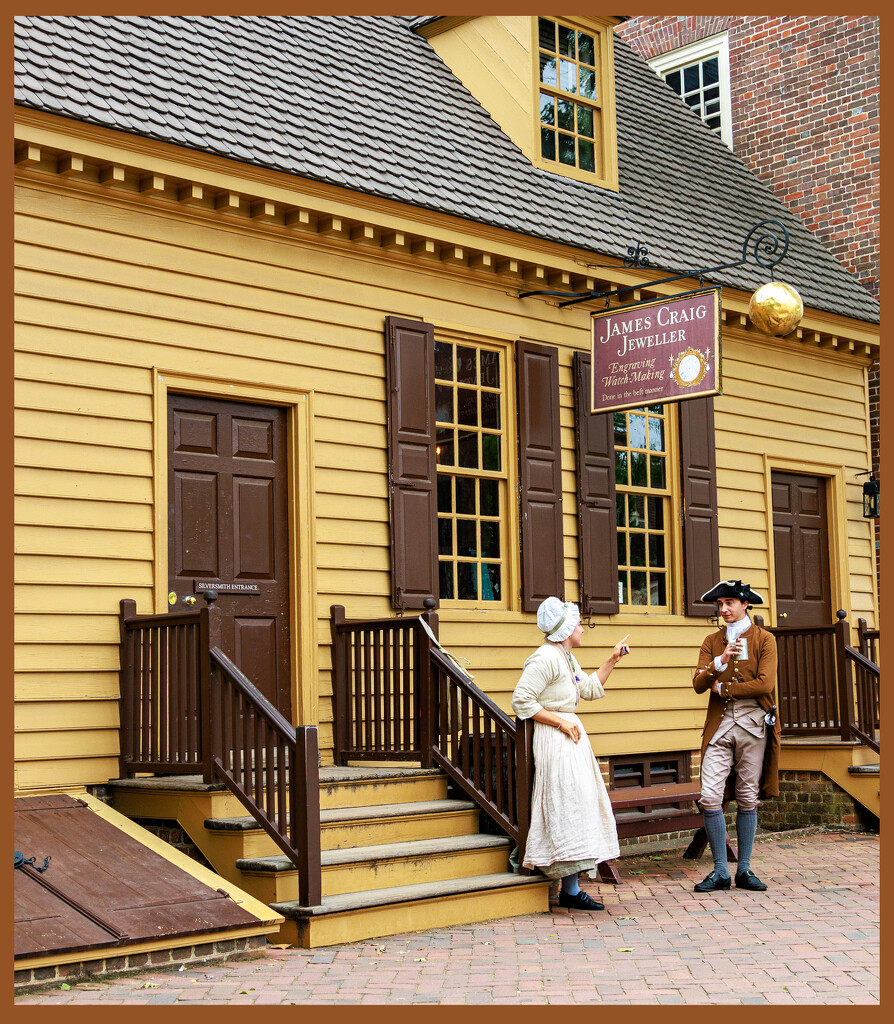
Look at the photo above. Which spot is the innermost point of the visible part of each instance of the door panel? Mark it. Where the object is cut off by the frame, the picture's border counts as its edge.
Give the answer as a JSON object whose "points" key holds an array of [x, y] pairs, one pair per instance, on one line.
{"points": [[228, 528], [801, 543]]}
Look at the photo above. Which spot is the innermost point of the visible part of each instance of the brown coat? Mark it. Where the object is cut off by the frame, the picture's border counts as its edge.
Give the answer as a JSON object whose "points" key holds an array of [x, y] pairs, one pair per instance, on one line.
{"points": [[758, 680]]}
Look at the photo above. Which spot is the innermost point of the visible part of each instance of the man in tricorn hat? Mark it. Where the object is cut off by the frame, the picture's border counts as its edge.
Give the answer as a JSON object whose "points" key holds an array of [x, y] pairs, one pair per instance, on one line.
{"points": [[740, 743]]}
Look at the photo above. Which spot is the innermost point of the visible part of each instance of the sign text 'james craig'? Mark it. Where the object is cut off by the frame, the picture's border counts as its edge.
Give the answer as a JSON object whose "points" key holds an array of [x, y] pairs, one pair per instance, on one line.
{"points": [[664, 350]]}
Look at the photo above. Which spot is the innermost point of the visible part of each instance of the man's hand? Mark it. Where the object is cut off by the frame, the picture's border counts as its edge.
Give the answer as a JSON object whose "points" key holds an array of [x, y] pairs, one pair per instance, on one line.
{"points": [[732, 650], [715, 686]]}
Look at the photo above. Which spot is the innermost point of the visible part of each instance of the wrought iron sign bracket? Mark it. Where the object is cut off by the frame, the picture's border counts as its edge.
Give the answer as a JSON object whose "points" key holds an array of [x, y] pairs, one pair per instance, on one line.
{"points": [[767, 242]]}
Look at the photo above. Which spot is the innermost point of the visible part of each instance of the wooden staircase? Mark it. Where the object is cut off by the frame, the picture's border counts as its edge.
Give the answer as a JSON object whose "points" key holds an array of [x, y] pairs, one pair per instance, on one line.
{"points": [[851, 765], [397, 854]]}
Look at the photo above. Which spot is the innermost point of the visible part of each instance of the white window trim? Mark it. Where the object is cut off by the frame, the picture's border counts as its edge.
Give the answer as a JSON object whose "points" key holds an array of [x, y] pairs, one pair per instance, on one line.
{"points": [[717, 45]]}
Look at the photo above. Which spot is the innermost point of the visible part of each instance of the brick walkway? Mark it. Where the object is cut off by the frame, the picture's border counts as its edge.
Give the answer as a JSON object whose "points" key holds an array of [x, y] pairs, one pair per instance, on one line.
{"points": [[811, 938]]}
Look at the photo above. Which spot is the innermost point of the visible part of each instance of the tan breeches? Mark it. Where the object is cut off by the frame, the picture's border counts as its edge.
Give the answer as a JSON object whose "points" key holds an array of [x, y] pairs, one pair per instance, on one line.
{"points": [[736, 748]]}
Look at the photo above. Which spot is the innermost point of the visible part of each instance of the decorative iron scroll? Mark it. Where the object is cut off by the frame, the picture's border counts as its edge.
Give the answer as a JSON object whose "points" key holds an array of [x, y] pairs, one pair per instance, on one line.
{"points": [[769, 244]]}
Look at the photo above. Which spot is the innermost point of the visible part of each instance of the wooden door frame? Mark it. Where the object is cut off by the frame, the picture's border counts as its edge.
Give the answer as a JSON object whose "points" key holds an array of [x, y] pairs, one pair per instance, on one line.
{"points": [[299, 473], [836, 522]]}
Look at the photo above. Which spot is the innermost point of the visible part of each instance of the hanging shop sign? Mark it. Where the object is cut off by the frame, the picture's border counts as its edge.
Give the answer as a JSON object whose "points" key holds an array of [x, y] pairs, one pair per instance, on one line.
{"points": [[654, 352]]}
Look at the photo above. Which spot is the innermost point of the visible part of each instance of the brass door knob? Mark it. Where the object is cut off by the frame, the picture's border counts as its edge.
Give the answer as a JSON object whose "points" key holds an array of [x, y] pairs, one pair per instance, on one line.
{"points": [[189, 599], [783, 615]]}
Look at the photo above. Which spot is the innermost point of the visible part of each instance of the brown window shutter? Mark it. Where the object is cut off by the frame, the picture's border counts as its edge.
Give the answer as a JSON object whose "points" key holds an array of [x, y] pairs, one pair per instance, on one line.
{"points": [[410, 367], [701, 553], [540, 474], [595, 498]]}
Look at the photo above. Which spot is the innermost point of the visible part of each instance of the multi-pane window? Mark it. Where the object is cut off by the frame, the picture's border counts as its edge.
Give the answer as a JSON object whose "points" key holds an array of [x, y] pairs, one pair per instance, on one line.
{"points": [[642, 488], [699, 75], [698, 85], [570, 104], [471, 471]]}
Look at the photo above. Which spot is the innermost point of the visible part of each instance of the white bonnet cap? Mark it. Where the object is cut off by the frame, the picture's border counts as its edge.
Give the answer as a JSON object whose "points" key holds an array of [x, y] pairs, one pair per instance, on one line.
{"points": [[557, 618]]}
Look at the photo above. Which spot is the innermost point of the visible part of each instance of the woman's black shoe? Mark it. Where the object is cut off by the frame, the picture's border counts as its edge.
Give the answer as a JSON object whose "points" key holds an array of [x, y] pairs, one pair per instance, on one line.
{"points": [[579, 901], [711, 882]]}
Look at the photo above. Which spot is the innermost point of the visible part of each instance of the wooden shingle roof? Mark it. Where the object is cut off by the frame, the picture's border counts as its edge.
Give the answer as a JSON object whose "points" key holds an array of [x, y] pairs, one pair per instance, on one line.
{"points": [[365, 103]]}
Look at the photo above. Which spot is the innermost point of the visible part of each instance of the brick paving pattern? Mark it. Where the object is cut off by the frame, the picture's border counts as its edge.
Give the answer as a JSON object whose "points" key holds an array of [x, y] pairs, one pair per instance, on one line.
{"points": [[811, 938]]}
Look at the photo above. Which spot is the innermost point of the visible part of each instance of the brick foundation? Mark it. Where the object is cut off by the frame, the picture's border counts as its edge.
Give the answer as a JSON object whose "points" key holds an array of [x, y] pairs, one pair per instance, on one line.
{"points": [[808, 798], [173, 834], [27, 979]]}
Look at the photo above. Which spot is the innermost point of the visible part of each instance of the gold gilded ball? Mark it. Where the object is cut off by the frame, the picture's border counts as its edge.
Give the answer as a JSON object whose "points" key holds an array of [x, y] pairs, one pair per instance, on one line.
{"points": [[776, 308]]}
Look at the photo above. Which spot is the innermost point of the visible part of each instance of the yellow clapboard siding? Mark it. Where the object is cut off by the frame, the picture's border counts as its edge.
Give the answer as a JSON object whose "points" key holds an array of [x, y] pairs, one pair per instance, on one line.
{"points": [[34, 746], [99, 544], [303, 269], [647, 742], [346, 458], [87, 486], [347, 583], [61, 716], [64, 773], [57, 368], [66, 657], [187, 344], [95, 515], [331, 556], [342, 431], [334, 482], [66, 685], [67, 629], [82, 429], [350, 508], [351, 533], [57, 569], [225, 301], [80, 597], [83, 400]]}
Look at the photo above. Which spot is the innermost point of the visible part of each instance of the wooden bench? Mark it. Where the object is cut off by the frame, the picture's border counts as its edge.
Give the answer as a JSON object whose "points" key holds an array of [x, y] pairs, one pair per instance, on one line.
{"points": [[648, 810]]}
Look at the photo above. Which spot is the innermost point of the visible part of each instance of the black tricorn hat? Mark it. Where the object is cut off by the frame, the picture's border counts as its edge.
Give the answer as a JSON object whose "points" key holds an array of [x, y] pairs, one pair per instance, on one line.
{"points": [[733, 588]]}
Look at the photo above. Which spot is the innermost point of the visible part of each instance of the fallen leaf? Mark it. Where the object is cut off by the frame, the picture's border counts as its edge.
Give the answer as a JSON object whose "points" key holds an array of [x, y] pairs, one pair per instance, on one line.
{"points": [[420, 960], [626, 918], [65, 987], [637, 872], [625, 949]]}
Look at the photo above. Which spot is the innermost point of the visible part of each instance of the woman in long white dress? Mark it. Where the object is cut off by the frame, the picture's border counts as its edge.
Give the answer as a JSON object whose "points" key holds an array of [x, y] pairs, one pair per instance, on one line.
{"points": [[572, 824]]}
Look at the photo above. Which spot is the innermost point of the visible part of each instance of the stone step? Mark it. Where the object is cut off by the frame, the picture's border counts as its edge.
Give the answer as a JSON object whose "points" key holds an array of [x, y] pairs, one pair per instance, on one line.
{"points": [[339, 787], [275, 879], [342, 827], [349, 917], [864, 769]]}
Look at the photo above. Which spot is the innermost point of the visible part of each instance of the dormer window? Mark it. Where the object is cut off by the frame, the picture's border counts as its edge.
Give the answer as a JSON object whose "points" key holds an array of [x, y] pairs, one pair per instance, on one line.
{"points": [[549, 83], [575, 101]]}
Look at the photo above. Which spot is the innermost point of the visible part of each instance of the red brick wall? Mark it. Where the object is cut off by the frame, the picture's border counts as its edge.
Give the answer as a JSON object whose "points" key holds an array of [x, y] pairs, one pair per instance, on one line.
{"points": [[805, 118], [805, 111]]}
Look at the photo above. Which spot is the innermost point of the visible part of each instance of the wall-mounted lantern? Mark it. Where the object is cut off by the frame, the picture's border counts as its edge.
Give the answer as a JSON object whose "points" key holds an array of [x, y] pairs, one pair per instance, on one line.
{"points": [[870, 496]]}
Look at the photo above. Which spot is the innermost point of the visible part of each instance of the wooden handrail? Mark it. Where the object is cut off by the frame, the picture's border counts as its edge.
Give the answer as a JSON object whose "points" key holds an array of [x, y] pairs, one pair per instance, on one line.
{"points": [[185, 707], [288, 805], [860, 659], [438, 716]]}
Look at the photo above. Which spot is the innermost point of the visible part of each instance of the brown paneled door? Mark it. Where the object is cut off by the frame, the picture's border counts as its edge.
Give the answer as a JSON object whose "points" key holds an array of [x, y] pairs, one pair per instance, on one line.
{"points": [[801, 543], [228, 528]]}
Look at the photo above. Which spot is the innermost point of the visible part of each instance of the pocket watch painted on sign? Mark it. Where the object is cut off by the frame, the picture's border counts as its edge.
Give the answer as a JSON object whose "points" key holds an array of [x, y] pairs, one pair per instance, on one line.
{"points": [[689, 367]]}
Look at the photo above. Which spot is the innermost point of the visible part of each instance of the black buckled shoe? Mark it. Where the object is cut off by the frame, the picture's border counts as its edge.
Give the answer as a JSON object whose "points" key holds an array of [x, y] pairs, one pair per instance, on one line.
{"points": [[579, 901], [749, 880], [713, 881]]}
